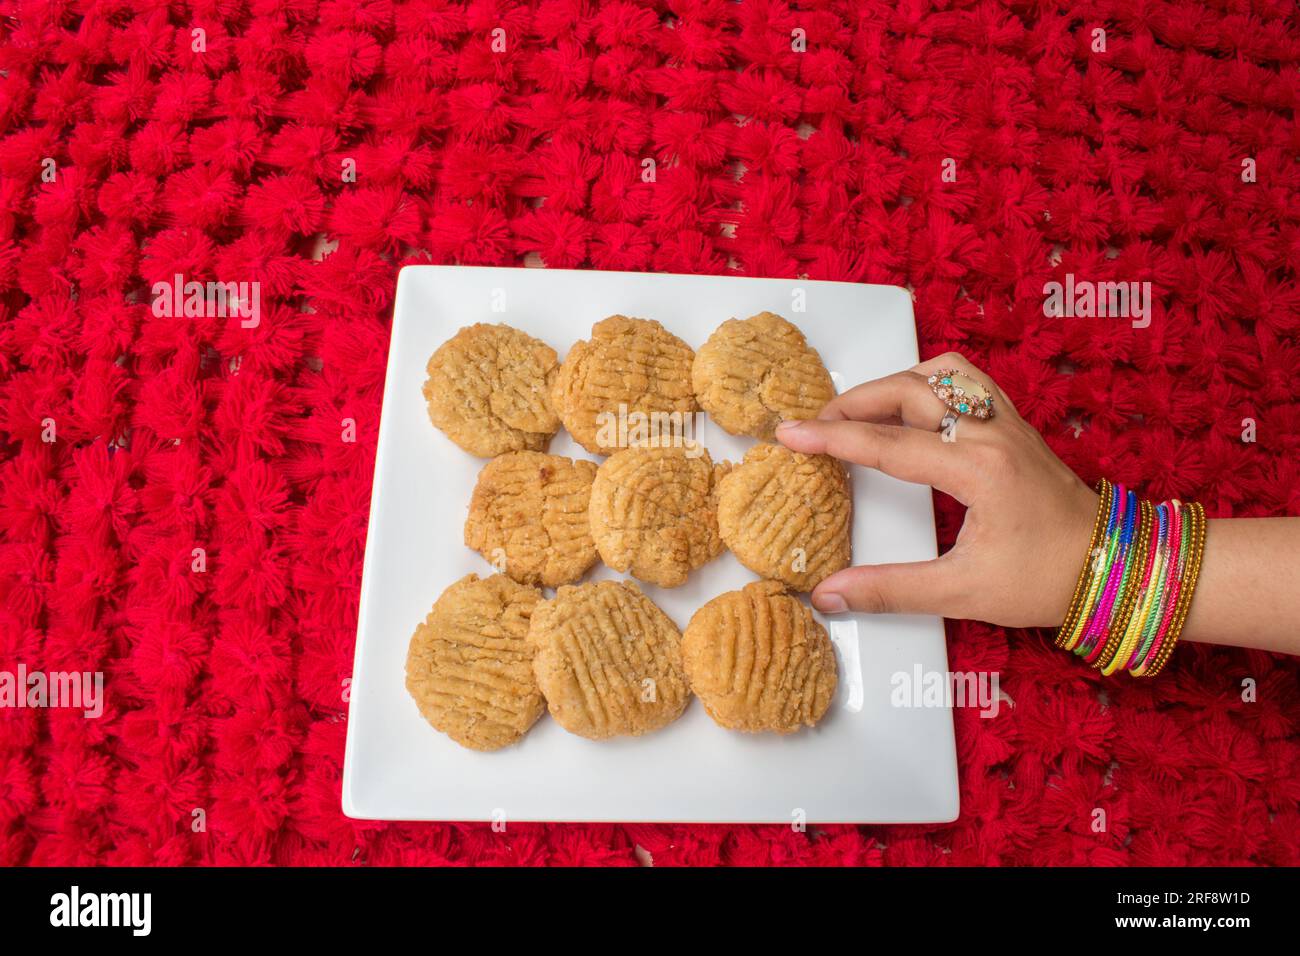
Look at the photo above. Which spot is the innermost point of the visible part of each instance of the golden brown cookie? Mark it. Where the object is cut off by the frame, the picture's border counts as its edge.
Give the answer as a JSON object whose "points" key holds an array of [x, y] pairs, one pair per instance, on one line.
{"points": [[489, 390], [629, 369], [787, 516], [608, 660], [528, 517], [470, 665], [654, 511], [753, 373], [758, 660]]}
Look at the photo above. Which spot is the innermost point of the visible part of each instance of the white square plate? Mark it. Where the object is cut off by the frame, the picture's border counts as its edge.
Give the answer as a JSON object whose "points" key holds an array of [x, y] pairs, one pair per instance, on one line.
{"points": [[866, 762]]}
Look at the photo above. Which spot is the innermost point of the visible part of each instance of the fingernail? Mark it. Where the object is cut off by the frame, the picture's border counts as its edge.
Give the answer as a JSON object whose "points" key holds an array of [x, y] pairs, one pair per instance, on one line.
{"points": [[788, 424], [830, 603]]}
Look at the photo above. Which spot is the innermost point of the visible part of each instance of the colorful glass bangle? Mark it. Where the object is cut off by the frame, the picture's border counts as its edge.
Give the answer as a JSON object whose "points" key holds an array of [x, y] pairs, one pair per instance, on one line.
{"points": [[1076, 602], [1132, 627], [1126, 653], [1106, 606], [1167, 617], [1118, 628], [1168, 570], [1199, 527], [1099, 560], [1134, 591]]}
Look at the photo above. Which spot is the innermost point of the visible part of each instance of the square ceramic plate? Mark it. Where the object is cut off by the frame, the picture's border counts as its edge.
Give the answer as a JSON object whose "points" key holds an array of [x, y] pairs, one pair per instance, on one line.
{"points": [[867, 761]]}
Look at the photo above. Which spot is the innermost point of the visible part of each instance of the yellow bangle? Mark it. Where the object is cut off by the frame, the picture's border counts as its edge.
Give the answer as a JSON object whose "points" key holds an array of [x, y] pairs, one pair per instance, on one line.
{"points": [[1138, 625], [1113, 653], [1096, 589]]}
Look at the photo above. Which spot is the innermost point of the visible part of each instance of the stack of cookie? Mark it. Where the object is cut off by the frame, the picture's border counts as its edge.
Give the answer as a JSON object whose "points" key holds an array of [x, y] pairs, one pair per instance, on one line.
{"points": [[601, 656]]}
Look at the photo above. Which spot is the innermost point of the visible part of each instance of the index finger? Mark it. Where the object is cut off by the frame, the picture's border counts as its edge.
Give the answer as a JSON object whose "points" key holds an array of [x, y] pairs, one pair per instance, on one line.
{"points": [[909, 454], [902, 397]]}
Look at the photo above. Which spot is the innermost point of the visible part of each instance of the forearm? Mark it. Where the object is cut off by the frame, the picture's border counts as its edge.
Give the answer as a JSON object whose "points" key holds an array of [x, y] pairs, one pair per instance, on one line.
{"points": [[1028, 523], [1248, 594]]}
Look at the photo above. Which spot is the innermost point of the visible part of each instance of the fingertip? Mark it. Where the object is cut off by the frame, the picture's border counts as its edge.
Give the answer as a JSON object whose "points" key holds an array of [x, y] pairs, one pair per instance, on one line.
{"points": [[837, 582], [829, 602], [797, 435], [836, 592]]}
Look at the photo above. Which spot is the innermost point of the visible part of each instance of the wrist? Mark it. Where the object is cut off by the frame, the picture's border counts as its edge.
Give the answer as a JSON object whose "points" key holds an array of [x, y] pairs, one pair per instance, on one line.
{"points": [[1070, 553]]}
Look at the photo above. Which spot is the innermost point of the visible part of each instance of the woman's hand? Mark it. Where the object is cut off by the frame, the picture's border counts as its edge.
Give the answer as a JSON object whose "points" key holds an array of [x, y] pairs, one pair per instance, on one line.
{"points": [[1029, 518]]}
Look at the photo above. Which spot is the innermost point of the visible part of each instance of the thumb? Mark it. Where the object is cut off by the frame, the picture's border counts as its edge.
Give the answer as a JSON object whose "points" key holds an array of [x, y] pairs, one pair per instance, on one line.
{"points": [[916, 587]]}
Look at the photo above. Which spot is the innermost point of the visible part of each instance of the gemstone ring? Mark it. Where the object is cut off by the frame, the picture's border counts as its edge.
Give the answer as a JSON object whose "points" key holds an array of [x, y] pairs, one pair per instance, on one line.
{"points": [[961, 394]]}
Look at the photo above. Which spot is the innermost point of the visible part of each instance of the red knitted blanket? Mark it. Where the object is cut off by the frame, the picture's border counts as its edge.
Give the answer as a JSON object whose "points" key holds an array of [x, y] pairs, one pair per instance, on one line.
{"points": [[181, 508]]}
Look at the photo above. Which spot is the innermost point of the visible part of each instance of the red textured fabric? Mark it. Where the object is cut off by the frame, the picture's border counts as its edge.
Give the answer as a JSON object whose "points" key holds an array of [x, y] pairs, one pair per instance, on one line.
{"points": [[225, 687]]}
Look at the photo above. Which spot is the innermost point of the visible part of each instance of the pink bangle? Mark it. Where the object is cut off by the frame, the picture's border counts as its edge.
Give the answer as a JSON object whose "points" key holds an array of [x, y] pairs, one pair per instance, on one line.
{"points": [[1093, 646], [1172, 601]]}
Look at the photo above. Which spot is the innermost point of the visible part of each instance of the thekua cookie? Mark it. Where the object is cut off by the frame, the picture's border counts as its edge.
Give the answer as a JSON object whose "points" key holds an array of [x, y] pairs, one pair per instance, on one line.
{"points": [[608, 660], [489, 390], [752, 373], [654, 511], [758, 660], [631, 373], [528, 517], [787, 516], [469, 666]]}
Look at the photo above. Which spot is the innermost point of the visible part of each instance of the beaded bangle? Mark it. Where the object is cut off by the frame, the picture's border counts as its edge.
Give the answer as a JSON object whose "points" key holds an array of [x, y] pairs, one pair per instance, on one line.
{"points": [[1104, 494], [1136, 586], [1098, 561]]}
